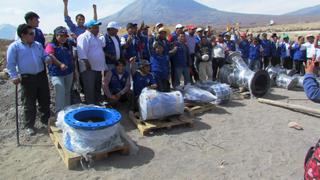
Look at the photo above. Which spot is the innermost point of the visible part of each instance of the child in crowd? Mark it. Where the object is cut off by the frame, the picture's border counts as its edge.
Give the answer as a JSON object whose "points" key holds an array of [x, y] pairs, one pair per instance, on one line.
{"points": [[299, 55], [255, 55], [141, 78], [160, 67]]}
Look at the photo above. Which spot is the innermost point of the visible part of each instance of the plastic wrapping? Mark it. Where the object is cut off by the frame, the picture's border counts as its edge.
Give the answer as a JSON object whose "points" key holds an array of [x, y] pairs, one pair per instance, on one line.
{"points": [[158, 105], [238, 74], [87, 141], [285, 81], [195, 94], [299, 81], [222, 91]]}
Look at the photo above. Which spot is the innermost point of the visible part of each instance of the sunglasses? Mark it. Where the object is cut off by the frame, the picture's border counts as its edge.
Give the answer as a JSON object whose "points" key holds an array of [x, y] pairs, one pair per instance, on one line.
{"points": [[31, 33]]}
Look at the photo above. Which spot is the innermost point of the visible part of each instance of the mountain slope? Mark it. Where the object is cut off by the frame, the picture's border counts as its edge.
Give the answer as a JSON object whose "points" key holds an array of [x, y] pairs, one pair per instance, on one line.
{"points": [[7, 31], [309, 11], [189, 11]]}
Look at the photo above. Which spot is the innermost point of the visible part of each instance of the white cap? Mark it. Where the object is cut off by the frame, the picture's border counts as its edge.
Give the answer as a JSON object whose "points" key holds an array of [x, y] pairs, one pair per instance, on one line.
{"points": [[199, 29], [158, 24], [179, 26], [113, 25], [163, 29]]}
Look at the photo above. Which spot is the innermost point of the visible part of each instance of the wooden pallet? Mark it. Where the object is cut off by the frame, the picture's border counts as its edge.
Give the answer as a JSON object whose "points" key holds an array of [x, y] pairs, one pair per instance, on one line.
{"points": [[198, 108], [240, 94], [72, 160], [145, 127]]}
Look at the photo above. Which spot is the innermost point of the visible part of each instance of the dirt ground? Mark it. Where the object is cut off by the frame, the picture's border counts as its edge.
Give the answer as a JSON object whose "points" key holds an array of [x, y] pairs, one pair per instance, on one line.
{"points": [[242, 140]]}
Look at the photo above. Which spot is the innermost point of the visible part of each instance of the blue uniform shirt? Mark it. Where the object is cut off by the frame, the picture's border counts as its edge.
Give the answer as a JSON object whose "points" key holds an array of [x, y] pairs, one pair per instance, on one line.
{"points": [[74, 28], [299, 52], [231, 45], [64, 55], [267, 47], [25, 59], [311, 87], [140, 82], [160, 66], [133, 49], [254, 52], [244, 48], [181, 57], [118, 84]]}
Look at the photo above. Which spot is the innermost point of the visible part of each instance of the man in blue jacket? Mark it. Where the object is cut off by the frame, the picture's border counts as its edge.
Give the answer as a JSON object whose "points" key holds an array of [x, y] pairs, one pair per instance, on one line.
{"points": [[267, 50], [180, 61], [310, 83], [112, 49]]}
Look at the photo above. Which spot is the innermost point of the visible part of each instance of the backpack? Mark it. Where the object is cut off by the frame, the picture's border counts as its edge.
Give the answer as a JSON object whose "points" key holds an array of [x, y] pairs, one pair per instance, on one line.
{"points": [[312, 163]]}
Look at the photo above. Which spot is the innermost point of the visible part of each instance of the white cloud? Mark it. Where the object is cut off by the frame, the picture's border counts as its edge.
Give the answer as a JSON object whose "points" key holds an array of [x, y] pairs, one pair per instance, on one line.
{"points": [[51, 12], [275, 7]]}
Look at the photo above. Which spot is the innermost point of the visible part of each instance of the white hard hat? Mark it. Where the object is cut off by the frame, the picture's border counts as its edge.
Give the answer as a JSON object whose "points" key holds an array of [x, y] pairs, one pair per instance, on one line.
{"points": [[205, 57], [199, 29], [179, 26], [113, 25]]}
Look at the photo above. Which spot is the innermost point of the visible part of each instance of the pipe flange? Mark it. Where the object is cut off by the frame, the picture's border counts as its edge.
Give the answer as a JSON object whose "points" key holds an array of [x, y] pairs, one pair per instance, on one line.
{"points": [[78, 118]]}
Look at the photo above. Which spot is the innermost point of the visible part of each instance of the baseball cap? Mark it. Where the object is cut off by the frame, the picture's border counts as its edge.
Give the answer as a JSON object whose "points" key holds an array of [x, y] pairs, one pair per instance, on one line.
{"points": [[285, 36], [143, 63], [191, 27], [113, 25], [179, 26], [131, 25], [199, 29], [92, 23], [159, 24], [60, 31], [243, 34]]}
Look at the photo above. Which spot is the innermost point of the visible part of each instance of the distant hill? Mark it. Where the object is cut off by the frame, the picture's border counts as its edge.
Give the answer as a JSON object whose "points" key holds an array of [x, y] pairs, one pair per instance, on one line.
{"points": [[309, 11], [190, 11], [7, 31]]}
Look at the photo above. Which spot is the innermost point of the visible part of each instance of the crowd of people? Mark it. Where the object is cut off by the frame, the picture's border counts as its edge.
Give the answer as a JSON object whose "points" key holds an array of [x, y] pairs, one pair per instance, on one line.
{"points": [[82, 60]]}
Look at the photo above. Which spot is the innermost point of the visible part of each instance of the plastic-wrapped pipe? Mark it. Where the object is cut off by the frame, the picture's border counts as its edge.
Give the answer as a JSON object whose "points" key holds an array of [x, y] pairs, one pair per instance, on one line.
{"points": [[88, 129], [287, 82], [238, 74]]}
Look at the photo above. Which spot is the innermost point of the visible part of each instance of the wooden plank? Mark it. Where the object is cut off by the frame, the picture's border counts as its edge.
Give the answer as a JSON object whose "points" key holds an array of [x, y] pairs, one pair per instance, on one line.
{"points": [[293, 107], [198, 108], [71, 159], [145, 127]]}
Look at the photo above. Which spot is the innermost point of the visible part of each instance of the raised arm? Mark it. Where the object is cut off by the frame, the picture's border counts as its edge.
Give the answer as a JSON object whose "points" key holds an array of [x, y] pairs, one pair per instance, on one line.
{"points": [[65, 12], [95, 15]]}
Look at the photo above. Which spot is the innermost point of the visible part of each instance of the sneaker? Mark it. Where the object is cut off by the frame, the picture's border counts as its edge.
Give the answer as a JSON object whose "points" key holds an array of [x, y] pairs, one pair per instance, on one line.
{"points": [[31, 131]]}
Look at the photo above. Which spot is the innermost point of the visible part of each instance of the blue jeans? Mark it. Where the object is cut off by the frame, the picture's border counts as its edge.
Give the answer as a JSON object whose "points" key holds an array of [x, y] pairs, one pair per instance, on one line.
{"points": [[62, 87], [254, 64], [178, 72]]}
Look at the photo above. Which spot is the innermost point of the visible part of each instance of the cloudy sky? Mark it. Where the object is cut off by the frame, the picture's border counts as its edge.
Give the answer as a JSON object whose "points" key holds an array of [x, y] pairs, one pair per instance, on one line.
{"points": [[51, 12]]}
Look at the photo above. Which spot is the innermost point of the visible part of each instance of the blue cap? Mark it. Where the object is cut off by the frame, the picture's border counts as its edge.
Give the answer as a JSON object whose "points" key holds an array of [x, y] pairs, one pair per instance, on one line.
{"points": [[92, 23]]}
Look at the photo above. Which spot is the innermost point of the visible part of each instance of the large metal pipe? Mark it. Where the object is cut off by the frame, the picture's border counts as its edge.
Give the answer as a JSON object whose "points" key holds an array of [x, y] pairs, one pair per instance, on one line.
{"points": [[238, 74]]}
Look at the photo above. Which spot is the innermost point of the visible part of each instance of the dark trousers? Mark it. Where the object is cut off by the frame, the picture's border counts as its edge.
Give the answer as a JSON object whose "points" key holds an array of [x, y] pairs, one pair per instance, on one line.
{"points": [[194, 75], [92, 86], [217, 63], [275, 61], [35, 88], [163, 85], [299, 67], [287, 62], [266, 61]]}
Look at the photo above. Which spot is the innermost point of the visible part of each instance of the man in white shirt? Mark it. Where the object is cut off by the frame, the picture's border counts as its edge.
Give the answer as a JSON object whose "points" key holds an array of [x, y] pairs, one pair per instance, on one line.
{"points": [[112, 49], [309, 45], [91, 62], [218, 54]]}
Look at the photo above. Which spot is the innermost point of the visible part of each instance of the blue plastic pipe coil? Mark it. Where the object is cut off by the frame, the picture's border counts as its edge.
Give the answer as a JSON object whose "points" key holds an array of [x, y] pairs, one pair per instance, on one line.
{"points": [[77, 118]]}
